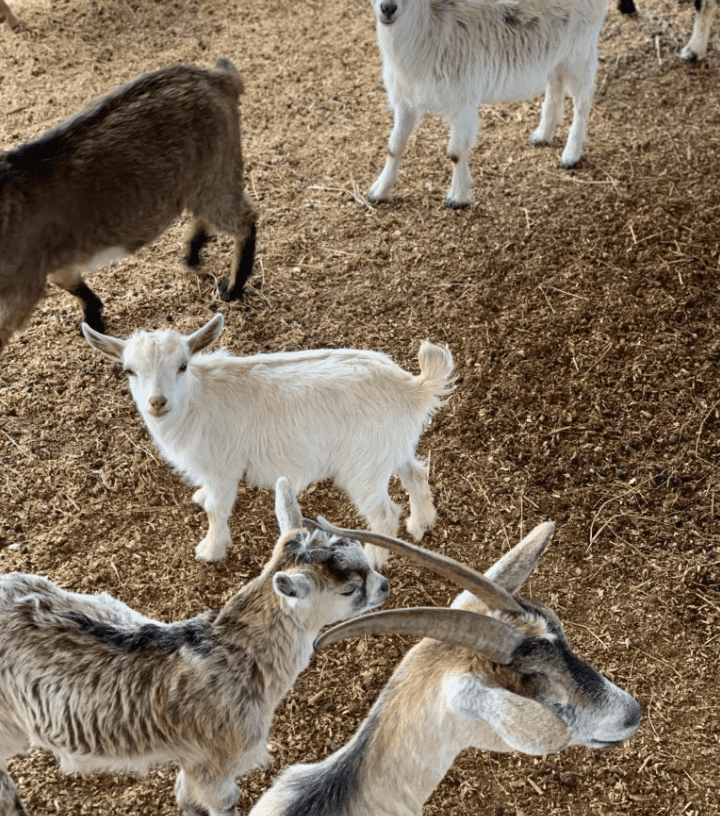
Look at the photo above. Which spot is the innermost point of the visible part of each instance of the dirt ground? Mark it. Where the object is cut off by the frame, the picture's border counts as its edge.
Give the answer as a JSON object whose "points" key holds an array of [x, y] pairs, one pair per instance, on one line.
{"points": [[582, 310]]}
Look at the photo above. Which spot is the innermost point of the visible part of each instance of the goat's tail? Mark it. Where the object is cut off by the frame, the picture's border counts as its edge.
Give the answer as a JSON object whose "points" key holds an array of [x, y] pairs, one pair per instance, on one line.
{"points": [[228, 68], [436, 378]]}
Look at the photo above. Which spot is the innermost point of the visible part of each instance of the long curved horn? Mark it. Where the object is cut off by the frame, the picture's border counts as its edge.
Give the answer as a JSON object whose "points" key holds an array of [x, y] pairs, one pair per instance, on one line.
{"points": [[465, 577], [459, 627]]}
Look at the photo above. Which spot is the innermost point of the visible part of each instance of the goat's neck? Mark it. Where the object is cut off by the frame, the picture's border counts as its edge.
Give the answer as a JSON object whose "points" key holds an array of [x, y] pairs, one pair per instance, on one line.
{"points": [[256, 621]]}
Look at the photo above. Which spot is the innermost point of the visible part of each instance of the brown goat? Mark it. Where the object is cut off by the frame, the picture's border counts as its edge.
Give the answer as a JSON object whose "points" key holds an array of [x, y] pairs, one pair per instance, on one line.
{"points": [[111, 179]]}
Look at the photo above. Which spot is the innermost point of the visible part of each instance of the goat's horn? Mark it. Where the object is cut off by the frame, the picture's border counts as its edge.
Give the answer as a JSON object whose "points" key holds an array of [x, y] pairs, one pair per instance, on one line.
{"points": [[459, 627], [465, 577]]}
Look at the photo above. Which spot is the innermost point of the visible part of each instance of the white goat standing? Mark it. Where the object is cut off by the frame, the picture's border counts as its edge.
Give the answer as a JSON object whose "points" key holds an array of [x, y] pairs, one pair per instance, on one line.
{"points": [[103, 687], [449, 57], [348, 415], [492, 677]]}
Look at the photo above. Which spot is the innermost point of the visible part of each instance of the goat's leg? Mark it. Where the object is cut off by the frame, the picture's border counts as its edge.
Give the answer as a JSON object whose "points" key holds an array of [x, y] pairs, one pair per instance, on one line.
{"points": [[10, 804], [407, 119], [697, 46], [8, 17], [413, 476], [233, 213], [198, 795], [552, 110], [217, 499], [463, 134], [581, 85], [72, 281], [370, 496]]}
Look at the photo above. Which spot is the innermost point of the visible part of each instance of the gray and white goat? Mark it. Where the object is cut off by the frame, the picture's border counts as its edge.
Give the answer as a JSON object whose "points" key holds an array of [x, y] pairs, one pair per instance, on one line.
{"points": [[498, 674], [6, 16], [102, 687], [349, 415], [451, 57], [696, 48], [108, 181]]}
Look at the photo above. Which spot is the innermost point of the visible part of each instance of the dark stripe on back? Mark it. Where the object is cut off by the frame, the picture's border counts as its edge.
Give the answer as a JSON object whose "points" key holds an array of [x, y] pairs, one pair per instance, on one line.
{"points": [[194, 633]]}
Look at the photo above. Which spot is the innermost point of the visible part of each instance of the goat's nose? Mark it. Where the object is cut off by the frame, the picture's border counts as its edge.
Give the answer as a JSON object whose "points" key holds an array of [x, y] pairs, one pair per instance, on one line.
{"points": [[388, 8], [385, 586], [158, 403]]}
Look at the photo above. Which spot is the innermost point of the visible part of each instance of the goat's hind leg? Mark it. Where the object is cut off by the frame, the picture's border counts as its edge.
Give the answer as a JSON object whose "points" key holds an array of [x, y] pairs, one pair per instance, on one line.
{"points": [[413, 476], [551, 113], [72, 281], [697, 45]]}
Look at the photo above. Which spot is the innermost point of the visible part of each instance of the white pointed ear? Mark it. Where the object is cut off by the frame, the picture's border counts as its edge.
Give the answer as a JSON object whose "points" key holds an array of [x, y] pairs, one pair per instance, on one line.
{"points": [[291, 586], [523, 724], [111, 347], [207, 335], [514, 568], [287, 509]]}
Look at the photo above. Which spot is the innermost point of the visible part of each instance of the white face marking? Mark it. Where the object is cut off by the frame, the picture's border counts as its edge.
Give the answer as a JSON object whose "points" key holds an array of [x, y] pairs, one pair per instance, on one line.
{"points": [[156, 364]]}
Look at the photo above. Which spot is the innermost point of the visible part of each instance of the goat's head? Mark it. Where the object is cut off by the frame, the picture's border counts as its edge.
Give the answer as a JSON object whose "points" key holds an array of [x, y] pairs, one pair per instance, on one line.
{"points": [[156, 363], [523, 679], [310, 563]]}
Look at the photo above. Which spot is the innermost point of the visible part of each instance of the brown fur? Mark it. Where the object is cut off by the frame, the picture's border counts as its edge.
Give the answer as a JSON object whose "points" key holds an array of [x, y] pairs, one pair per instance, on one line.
{"points": [[110, 180]]}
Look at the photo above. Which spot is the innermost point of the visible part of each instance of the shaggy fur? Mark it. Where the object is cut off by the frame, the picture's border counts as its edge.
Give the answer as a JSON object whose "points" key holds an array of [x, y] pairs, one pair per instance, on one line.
{"points": [[343, 414], [442, 699], [111, 179], [450, 56], [103, 687]]}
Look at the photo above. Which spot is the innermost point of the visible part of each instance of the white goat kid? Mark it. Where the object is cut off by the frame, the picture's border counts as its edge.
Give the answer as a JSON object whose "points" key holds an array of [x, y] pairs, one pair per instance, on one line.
{"points": [[493, 677], [451, 56], [103, 687], [348, 415]]}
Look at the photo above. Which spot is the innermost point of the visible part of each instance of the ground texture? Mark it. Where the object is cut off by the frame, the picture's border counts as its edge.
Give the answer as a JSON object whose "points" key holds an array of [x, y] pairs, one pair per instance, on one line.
{"points": [[582, 310]]}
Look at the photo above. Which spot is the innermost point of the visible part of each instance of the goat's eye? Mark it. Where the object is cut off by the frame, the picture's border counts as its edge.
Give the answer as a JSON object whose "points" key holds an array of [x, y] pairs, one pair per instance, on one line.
{"points": [[351, 591], [182, 368], [128, 372]]}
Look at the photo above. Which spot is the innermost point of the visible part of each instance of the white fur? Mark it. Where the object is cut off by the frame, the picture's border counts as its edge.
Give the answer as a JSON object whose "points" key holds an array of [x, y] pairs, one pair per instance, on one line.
{"points": [[443, 699], [342, 414], [451, 56], [696, 48]]}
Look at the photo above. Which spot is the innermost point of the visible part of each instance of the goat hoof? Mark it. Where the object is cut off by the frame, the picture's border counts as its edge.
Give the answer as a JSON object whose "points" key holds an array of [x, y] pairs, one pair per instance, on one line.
{"points": [[94, 321], [227, 293], [452, 204]]}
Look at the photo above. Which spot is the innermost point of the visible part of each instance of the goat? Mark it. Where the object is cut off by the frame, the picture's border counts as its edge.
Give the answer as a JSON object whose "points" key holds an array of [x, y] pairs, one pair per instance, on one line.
{"points": [[451, 57], [110, 180], [343, 414], [101, 686], [487, 675], [696, 48], [6, 16]]}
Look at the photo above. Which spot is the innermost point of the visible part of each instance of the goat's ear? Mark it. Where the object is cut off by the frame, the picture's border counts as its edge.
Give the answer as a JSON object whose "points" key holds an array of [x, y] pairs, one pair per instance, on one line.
{"points": [[514, 568], [523, 724], [207, 335], [292, 586], [287, 509], [111, 347]]}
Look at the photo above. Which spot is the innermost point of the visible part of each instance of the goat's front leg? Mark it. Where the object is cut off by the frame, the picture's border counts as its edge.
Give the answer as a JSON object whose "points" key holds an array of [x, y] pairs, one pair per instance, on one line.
{"points": [[463, 133], [697, 46], [10, 804], [406, 120], [216, 497], [199, 795]]}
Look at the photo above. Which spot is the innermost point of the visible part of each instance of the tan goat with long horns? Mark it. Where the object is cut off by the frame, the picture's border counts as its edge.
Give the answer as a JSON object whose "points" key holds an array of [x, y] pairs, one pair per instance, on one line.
{"points": [[495, 672]]}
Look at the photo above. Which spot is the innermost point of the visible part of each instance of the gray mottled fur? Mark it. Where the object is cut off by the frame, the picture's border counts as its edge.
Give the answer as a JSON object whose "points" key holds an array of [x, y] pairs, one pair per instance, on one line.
{"points": [[103, 687]]}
